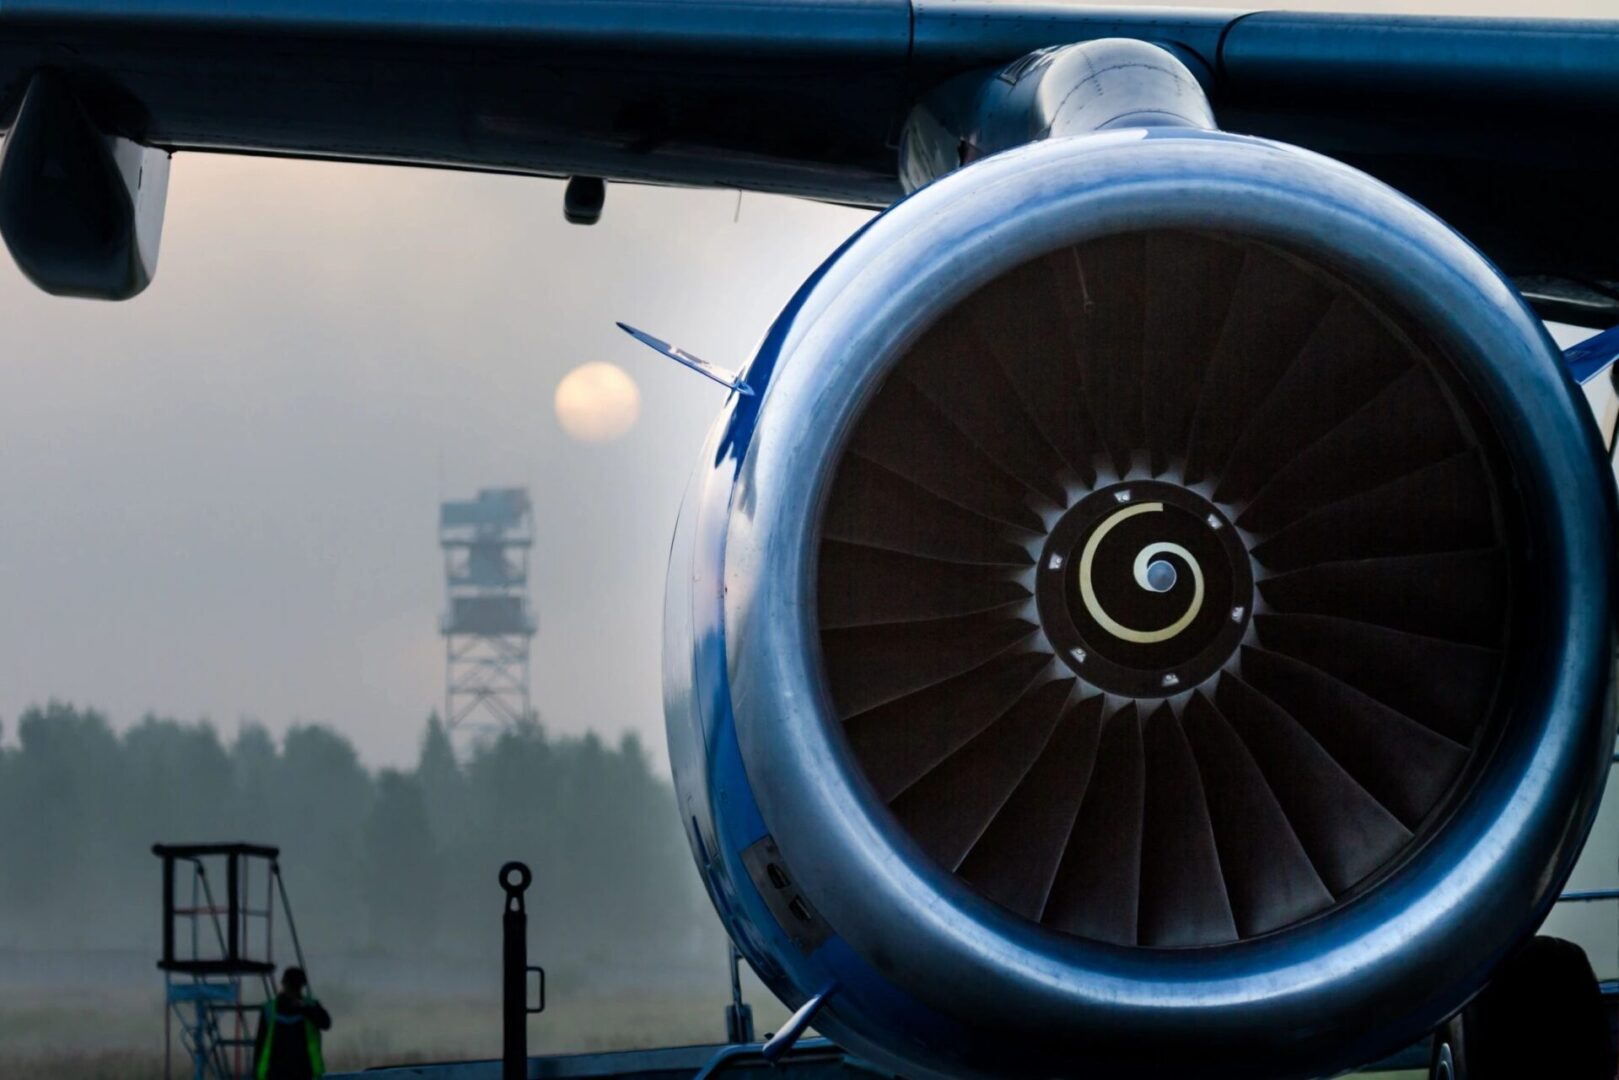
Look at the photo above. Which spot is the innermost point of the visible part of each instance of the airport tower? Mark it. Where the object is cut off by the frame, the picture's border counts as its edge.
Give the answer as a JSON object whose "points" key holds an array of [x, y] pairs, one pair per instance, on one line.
{"points": [[488, 625]]}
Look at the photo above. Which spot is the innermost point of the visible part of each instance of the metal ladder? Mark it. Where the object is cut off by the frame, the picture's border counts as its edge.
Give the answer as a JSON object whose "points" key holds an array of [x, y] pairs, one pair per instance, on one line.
{"points": [[216, 1010]]}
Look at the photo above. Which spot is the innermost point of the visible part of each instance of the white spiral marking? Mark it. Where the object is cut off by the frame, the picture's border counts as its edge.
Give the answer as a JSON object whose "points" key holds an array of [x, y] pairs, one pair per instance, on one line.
{"points": [[1087, 590]]}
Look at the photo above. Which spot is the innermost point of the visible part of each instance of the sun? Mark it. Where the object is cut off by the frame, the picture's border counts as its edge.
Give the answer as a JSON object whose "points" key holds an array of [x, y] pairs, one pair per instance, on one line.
{"points": [[597, 402]]}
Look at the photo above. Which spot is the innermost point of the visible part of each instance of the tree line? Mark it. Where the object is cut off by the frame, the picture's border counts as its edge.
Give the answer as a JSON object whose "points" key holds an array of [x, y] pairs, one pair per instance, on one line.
{"points": [[388, 860]]}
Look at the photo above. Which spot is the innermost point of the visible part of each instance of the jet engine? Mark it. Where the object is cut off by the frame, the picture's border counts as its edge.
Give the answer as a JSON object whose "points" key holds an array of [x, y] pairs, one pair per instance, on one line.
{"points": [[1146, 612]]}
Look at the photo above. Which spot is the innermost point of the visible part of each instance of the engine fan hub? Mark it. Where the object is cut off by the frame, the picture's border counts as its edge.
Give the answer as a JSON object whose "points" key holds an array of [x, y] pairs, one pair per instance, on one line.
{"points": [[1144, 588]]}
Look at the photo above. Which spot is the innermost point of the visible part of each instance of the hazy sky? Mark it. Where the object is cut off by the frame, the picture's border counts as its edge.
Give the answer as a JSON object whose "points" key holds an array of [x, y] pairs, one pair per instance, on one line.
{"points": [[221, 497]]}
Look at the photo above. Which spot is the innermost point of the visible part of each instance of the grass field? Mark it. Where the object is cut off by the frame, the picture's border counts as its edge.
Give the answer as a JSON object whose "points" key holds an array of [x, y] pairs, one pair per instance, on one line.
{"points": [[99, 1016], [117, 1033]]}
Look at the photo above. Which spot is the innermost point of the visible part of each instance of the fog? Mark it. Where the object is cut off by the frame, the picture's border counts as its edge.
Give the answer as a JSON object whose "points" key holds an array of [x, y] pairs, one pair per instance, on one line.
{"points": [[391, 878], [223, 585], [226, 490]]}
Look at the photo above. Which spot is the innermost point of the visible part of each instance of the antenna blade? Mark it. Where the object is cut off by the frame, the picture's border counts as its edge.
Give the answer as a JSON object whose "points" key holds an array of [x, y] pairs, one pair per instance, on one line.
{"points": [[731, 380]]}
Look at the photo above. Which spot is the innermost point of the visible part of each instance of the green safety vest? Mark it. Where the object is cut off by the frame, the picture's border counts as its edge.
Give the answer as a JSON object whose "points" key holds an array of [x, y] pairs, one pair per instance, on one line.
{"points": [[317, 1063]]}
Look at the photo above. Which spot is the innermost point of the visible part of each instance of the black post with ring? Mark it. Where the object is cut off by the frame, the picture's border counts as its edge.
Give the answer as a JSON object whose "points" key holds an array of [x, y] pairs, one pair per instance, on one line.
{"points": [[515, 878]]}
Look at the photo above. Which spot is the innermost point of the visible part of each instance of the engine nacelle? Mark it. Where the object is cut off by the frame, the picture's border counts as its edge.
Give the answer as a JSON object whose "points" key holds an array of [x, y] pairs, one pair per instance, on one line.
{"points": [[1152, 618]]}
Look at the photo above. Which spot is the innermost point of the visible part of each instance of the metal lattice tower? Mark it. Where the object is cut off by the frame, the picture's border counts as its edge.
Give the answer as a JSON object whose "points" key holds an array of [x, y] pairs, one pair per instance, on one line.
{"points": [[488, 625]]}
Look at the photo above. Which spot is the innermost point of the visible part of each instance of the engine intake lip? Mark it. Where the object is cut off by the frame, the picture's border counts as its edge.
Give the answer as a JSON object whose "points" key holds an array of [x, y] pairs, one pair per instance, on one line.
{"points": [[1365, 977]]}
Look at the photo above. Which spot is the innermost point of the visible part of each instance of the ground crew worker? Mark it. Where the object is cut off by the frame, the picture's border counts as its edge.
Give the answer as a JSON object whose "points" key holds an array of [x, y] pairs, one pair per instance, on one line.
{"points": [[288, 1043]]}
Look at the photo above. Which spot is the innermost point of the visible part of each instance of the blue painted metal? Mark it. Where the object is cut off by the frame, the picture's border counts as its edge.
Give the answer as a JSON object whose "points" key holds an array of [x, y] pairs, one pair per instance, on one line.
{"points": [[1592, 356], [1538, 63], [728, 379], [936, 980], [967, 34], [796, 96], [714, 792], [844, 29], [727, 1057], [811, 1059], [1485, 121], [1588, 896], [1051, 93]]}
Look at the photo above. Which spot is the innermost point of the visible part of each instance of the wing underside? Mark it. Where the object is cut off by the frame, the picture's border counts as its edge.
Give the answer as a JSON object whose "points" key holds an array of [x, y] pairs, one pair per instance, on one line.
{"points": [[1497, 125]]}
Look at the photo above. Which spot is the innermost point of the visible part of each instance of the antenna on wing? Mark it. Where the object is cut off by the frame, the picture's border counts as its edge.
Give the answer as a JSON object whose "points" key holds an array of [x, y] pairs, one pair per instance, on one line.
{"points": [[730, 379]]}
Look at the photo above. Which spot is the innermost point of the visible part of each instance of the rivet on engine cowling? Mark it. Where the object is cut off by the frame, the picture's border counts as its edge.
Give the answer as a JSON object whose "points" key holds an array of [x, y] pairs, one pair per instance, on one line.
{"points": [[1078, 655], [1237, 614], [1121, 496], [1172, 679], [1213, 520], [1055, 563]]}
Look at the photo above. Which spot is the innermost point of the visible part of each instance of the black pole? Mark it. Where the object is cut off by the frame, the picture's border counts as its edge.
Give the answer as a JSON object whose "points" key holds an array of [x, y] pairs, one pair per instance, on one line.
{"points": [[287, 910], [233, 908], [515, 879], [168, 909], [738, 1014]]}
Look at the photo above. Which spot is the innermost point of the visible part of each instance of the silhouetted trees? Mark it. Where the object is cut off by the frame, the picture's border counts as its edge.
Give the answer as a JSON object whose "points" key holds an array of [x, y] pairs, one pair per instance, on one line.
{"points": [[400, 861]]}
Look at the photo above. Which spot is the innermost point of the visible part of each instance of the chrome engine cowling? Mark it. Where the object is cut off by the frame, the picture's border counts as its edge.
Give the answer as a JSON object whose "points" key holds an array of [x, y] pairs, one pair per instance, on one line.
{"points": [[1154, 617]]}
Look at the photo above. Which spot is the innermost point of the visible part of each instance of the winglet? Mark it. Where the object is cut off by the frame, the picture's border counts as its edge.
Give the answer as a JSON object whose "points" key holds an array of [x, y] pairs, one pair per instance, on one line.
{"points": [[729, 379], [1592, 356]]}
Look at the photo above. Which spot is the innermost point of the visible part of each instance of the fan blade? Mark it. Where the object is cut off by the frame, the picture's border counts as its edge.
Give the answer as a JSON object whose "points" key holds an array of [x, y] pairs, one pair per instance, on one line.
{"points": [[906, 434], [1439, 684], [1098, 883], [898, 743], [868, 666], [1404, 765], [1457, 596], [1345, 363], [1020, 317], [1268, 875], [861, 586], [957, 373], [1407, 426], [1190, 280], [1016, 859], [948, 809], [873, 507], [1274, 311], [1445, 507], [1346, 832], [1183, 893], [1110, 275]]}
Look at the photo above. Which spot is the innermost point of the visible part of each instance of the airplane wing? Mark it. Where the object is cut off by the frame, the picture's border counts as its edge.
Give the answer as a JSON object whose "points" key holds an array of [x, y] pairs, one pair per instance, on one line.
{"points": [[1501, 126]]}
